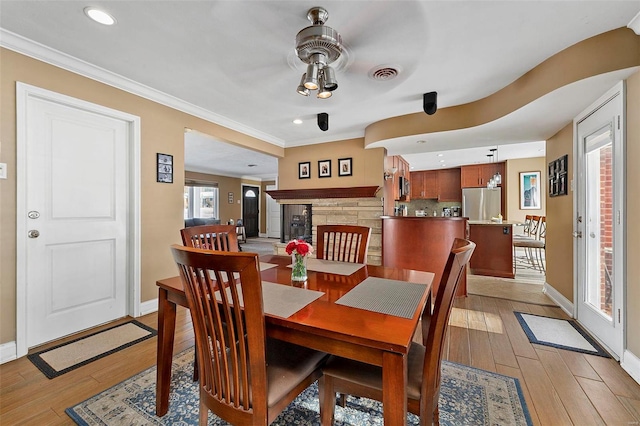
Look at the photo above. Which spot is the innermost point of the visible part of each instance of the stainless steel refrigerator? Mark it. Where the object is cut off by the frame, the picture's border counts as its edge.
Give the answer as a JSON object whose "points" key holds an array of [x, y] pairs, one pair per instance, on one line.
{"points": [[481, 203]]}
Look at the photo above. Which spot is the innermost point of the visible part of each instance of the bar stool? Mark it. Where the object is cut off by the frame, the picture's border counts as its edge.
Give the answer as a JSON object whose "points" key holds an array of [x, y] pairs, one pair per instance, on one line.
{"points": [[240, 231], [532, 242]]}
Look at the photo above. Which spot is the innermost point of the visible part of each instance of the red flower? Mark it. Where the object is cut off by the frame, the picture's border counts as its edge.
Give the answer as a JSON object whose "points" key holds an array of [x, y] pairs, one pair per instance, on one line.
{"points": [[301, 247]]}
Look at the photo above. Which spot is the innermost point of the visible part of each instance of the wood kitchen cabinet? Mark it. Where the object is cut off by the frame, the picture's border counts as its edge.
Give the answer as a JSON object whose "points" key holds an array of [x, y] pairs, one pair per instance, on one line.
{"points": [[443, 185], [477, 176], [424, 184]]}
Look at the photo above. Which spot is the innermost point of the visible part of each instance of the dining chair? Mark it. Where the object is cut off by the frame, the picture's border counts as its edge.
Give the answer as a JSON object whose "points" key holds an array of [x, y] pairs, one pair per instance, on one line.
{"points": [[424, 360], [343, 243], [242, 234], [530, 242], [245, 377], [211, 237]]}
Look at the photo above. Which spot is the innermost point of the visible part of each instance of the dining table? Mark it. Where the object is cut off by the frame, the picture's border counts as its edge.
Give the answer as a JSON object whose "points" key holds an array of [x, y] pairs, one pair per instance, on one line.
{"points": [[363, 312]]}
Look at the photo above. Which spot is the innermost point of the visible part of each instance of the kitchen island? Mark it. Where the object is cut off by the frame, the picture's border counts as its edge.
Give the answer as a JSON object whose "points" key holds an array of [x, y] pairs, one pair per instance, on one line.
{"points": [[493, 255], [423, 244]]}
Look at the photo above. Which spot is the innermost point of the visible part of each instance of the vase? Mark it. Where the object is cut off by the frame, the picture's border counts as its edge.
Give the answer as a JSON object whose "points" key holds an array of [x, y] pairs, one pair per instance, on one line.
{"points": [[298, 267]]}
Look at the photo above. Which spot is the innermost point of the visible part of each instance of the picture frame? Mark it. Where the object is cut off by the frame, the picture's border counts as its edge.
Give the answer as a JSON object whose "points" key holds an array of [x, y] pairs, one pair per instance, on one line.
{"points": [[530, 190], [558, 176], [164, 168], [324, 168], [344, 166], [304, 170], [230, 197]]}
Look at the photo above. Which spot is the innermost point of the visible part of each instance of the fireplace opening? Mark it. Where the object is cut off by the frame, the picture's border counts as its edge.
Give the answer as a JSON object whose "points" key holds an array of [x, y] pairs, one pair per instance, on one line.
{"points": [[296, 223]]}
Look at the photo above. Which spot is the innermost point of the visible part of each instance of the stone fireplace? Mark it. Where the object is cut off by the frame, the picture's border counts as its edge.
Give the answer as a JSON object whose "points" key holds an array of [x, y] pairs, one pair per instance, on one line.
{"points": [[336, 206]]}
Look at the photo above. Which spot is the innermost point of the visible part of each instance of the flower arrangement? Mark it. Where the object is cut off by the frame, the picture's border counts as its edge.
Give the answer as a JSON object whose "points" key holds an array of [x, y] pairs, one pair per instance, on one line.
{"points": [[299, 249]]}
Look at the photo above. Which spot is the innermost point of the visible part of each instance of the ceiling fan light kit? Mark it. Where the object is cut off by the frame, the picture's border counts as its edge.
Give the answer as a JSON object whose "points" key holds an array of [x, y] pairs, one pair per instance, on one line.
{"points": [[318, 46]]}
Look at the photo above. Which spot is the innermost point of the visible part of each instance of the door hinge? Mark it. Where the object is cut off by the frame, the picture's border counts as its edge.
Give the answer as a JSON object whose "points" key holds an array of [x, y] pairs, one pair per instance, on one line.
{"points": [[618, 122], [618, 316], [618, 217]]}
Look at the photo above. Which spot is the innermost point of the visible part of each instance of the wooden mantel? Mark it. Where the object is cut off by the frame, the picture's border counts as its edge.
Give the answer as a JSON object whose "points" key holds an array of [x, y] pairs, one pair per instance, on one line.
{"points": [[320, 193]]}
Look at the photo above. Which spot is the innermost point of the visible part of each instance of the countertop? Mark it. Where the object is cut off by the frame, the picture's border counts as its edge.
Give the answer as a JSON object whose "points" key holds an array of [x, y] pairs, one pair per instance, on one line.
{"points": [[426, 217], [489, 222]]}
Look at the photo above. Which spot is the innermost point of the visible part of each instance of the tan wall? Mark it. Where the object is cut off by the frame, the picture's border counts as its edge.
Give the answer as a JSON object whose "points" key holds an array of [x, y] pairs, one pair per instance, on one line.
{"points": [[633, 207], [512, 170], [367, 167], [162, 130], [559, 248]]}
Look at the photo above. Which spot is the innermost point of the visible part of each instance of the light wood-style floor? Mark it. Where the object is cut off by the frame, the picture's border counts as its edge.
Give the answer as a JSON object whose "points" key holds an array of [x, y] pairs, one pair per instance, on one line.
{"points": [[560, 387]]}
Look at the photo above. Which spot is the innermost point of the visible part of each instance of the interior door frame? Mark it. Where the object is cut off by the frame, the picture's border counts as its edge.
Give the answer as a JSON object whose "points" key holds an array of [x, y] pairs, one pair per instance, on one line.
{"points": [[23, 93], [619, 206], [259, 190]]}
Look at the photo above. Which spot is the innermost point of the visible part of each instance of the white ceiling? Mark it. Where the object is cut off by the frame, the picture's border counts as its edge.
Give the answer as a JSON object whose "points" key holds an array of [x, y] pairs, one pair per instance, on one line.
{"points": [[234, 62]]}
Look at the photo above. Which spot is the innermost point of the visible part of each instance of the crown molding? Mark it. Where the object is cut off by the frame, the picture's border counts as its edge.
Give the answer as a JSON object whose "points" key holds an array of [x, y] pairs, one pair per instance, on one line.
{"points": [[27, 47], [634, 24]]}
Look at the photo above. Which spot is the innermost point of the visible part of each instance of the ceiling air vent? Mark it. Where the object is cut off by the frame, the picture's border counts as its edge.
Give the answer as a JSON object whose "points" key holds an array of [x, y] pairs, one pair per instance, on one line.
{"points": [[384, 73]]}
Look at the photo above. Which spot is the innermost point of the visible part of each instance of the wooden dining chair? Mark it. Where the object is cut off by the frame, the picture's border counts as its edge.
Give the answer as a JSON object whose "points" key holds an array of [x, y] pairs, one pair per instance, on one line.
{"points": [[211, 237], [424, 360], [245, 377], [531, 242], [343, 243]]}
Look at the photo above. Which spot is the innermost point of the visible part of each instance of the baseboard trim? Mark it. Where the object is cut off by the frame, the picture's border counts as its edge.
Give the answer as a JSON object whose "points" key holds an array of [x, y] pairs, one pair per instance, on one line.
{"points": [[148, 307], [631, 364], [8, 352], [565, 304]]}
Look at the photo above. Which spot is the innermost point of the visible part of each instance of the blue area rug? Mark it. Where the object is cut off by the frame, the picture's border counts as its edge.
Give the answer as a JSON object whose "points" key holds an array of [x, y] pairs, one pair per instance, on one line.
{"points": [[468, 396]]}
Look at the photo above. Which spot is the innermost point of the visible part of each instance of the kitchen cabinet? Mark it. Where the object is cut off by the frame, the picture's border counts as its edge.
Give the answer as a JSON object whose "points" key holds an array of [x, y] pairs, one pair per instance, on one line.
{"points": [[424, 184], [477, 176], [397, 186], [449, 185], [443, 185]]}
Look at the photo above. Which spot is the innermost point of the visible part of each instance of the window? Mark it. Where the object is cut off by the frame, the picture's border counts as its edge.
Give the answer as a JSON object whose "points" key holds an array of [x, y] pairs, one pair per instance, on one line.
{"points": [[200, 200]]}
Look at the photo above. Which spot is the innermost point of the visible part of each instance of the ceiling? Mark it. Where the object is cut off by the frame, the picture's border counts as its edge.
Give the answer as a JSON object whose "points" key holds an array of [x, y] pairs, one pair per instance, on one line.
{"points": [[234, 63]]}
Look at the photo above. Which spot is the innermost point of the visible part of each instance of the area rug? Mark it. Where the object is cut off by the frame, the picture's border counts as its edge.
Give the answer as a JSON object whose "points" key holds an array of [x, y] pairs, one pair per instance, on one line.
{"points": [[68, 356], [558, 333], [469, 396]]}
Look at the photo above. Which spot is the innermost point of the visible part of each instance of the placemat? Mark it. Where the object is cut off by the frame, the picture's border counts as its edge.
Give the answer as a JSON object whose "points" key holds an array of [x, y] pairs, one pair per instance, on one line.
{"points": [[283, 300], [392, 297], [332, 267]]}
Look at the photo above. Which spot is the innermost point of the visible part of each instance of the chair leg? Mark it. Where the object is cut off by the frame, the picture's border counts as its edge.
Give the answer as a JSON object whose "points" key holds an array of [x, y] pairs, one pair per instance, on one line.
{"points": [[343, 400], [203, 418], [328, 400]]}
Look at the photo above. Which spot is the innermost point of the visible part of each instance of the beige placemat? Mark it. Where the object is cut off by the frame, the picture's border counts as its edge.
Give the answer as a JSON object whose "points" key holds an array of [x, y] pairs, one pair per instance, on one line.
{"points": [[392, 297], [283, 300], [332, 267]]}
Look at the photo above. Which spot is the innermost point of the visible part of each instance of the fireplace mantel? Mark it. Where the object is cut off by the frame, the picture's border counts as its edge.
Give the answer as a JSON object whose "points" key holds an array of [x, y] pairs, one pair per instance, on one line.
{"points": [[320, 193]]}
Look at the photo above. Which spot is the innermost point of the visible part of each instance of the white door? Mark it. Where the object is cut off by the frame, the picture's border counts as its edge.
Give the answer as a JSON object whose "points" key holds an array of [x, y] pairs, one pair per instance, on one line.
{"points": [[273, 215], [76, 180], [599, 222]]}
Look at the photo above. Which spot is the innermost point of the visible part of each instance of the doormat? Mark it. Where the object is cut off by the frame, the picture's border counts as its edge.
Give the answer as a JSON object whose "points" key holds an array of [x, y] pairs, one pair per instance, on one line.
{"points": [[468, 396], [559, 333], [68, 356]]}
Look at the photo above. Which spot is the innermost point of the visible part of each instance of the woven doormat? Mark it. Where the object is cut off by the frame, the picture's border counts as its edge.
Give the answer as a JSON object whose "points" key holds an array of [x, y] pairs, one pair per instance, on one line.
{"points": [[559, 333], [68, 356]]}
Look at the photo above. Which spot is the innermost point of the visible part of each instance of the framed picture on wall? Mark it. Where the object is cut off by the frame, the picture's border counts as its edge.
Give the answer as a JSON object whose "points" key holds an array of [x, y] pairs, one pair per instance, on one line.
{"points": [[304, 170], [529, 190], [344, 167], [324, 168], [164, 168]]}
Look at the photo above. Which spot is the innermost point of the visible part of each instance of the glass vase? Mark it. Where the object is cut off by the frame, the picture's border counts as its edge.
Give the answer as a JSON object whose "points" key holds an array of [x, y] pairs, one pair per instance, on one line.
{"points": [[298, 267]]}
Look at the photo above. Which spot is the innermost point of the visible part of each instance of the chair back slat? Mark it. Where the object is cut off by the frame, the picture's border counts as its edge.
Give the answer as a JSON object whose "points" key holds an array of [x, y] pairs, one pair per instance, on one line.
{"points": [[343, 243], [435, 325], [211, 237], [224, 294]]}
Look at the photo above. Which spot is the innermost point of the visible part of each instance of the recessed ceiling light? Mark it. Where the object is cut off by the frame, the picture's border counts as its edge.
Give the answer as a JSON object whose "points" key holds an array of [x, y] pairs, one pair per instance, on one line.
{"points": [[442, 161], [421, 141], [297, 121], [99, 16], [440, 155], [252, 165]]}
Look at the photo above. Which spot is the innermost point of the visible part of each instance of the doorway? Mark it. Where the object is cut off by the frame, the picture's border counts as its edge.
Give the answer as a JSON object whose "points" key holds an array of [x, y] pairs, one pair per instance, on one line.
{"points": [[273, 215], [77, 232], [251, 210], [599, 223]]}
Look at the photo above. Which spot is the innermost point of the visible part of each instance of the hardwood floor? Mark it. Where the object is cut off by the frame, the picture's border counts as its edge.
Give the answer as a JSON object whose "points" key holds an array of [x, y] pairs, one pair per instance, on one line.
{"points": [[560, 387]]}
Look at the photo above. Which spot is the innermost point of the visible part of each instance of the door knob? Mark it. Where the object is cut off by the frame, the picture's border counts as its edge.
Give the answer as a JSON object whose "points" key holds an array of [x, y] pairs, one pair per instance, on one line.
{"points": [[33, 233], [577, 234], [592, 235]]}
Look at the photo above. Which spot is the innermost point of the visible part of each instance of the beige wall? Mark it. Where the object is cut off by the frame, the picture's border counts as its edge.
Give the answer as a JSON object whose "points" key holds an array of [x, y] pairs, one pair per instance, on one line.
{"points": [[633, 207], [559, 249], [162, 130], [512, 171], [367, 166]]}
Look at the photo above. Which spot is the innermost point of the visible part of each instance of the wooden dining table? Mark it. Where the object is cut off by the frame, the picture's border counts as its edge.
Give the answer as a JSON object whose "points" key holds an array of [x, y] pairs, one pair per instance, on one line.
{"points": [[359, 334]]}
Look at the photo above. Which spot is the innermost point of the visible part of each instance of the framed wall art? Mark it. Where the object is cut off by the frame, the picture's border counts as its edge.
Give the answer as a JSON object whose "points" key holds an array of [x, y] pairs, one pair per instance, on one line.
{"points": [[304, 170], [344, 167], [324, 168], [529, 190], [558, 176], [165, 168]]}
